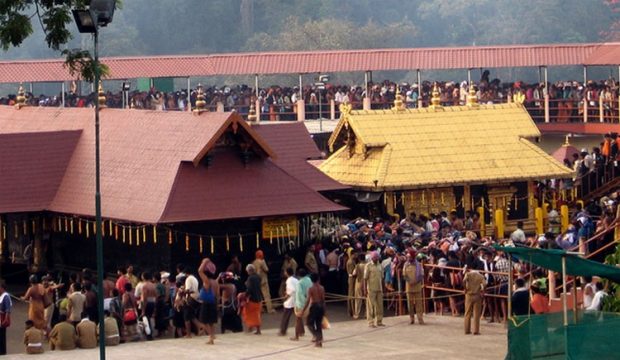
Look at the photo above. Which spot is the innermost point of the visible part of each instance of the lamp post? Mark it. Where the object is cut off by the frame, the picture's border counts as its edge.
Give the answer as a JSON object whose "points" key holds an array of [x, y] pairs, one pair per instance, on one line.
{"points": [[88, 21]]}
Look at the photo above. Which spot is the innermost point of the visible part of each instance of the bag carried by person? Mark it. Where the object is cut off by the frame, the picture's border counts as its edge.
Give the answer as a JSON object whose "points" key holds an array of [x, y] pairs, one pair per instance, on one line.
{"points": [[130, 317], [146, 325], [325, 323]]}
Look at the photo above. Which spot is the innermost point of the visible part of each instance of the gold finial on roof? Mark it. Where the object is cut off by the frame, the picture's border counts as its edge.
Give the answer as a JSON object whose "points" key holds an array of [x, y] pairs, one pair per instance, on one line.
{"points": [[566, 143], [399, 105], [345, 109], [21, 97], [435, 99], [101, 96], [200, 100], [252, 112], [472, 98]]}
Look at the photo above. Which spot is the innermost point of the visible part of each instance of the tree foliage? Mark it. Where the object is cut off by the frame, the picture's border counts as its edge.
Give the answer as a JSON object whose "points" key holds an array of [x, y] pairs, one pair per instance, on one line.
{"points": [[154, 27]]}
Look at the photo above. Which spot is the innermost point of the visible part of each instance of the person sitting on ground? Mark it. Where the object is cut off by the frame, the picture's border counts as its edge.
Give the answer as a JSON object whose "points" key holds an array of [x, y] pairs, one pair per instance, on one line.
{"points": [[63, 336], [33, 339], [86, 333], [112, 334]]}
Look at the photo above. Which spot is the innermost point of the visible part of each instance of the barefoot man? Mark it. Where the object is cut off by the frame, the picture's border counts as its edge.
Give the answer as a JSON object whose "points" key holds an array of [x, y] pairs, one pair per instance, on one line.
{"points": [[316, 302]]}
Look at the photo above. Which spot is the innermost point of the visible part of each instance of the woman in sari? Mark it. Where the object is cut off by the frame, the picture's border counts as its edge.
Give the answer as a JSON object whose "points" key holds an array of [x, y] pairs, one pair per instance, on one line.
{"points": [[252, 309], [34, 295]]}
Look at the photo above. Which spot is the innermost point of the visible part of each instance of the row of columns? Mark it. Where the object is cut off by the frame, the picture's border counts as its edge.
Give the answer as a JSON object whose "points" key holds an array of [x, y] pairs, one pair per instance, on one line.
{"points": [[542, 73]]}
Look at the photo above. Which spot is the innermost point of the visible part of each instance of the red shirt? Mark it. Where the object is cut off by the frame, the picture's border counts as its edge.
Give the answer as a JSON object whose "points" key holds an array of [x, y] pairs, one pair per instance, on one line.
{"points": [[120, 284], [540, 304]]}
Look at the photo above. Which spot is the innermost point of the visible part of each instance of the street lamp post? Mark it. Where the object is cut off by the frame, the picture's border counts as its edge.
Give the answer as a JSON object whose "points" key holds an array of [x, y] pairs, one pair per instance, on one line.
{"points": [[89, 21]]}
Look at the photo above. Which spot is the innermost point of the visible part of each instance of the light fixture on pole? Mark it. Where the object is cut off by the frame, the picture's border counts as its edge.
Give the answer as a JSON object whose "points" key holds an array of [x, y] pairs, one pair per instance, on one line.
{"points": [[99, 14]]}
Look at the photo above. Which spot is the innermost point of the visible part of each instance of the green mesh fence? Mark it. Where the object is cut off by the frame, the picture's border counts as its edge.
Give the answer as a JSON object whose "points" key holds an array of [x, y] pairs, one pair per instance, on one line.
{"points": [[594, 336]]}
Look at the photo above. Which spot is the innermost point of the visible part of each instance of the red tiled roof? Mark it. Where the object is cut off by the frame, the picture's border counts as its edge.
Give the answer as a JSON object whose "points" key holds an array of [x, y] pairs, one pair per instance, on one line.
{"points": [[294, 146], [565, 152], [259, 189], [141, 152], [32, 167], [325, 61]]}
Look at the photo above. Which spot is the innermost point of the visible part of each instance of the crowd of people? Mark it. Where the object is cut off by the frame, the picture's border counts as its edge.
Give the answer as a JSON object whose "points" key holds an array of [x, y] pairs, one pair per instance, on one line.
{"points": [[278, 102], [432, 263]]}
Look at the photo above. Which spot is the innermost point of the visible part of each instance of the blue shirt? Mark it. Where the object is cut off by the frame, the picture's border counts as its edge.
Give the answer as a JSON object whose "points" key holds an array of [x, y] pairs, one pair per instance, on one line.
{"points": [[301, 293]]}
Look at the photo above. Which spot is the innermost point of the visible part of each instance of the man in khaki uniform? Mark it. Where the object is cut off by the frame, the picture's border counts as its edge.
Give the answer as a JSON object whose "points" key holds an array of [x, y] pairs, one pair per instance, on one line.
{"points": [[358, 274], [373, 276], [262, 270], [288, 262], [33, 339], [87, 334], [310, 261], [62, 336], [413, 273], [350, 267], [112, 335], [473, 282]]}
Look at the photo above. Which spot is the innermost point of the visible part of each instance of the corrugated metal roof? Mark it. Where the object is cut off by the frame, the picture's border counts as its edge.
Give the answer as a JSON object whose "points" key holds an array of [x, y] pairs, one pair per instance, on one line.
{"points": [[325, 61], [456, 145], [141, 156]]}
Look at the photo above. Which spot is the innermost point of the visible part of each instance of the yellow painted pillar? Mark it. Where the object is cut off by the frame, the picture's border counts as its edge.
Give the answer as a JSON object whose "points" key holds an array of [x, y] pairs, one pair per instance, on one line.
{"points": [[482, 221], [580, 202], [564, 217], [538, 215], [499, 223]]}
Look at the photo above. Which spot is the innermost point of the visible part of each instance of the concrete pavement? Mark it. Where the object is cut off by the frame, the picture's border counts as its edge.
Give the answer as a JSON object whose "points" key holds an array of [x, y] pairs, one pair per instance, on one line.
{"points": [[442, 338]]}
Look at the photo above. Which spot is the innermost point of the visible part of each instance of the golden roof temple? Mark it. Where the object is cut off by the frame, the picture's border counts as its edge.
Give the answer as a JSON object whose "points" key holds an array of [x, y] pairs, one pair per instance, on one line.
{"points": [[429, 159]]}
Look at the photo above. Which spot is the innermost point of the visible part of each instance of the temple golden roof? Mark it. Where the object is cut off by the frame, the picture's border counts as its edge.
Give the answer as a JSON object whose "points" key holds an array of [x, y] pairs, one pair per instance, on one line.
{"points": [[379, 150]]}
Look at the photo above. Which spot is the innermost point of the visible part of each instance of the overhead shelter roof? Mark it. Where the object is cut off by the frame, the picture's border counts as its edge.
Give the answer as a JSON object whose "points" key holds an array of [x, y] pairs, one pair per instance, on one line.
{"points": [[380, 150], [565, 151], [552, 260], [149, 160], [294, 146], [298, 62]]}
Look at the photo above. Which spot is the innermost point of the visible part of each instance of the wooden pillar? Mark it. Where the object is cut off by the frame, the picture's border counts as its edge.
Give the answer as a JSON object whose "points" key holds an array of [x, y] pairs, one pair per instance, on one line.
{"points": [[301, 110], [467, 205], [546, 94], [332, 109], [420, 100], [189, 94], [62, 91], [38, 254]]}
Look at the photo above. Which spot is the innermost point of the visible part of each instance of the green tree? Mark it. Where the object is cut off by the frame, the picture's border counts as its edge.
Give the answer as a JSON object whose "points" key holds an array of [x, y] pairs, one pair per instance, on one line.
{"points": [[54, 17]]}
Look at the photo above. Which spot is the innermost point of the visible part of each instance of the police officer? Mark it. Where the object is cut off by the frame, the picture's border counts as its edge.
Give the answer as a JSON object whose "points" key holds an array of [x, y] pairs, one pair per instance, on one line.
{"points": [[414, 280]]}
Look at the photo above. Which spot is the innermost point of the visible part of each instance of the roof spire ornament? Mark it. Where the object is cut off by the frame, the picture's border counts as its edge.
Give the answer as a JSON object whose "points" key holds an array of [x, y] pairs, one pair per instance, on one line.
{"points": [[252, 112], [435, 99], [21, 97], [399, 104], [101, 96], [472, 98], [566, 142], [200, 100]]}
